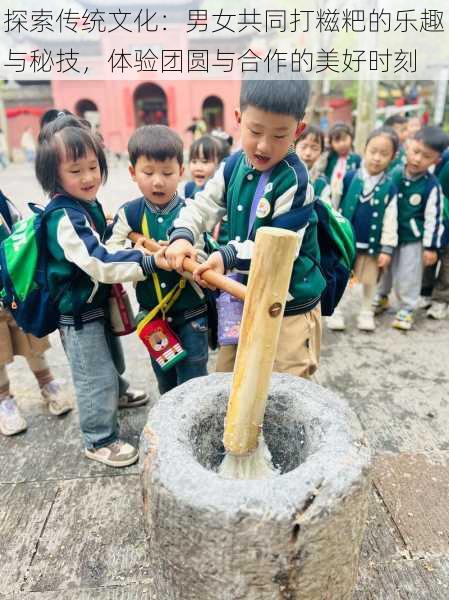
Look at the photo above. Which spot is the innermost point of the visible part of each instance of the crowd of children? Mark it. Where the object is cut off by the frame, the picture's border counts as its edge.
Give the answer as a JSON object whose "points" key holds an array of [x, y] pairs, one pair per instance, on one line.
{"points": [[397, 202], [390, 195]]}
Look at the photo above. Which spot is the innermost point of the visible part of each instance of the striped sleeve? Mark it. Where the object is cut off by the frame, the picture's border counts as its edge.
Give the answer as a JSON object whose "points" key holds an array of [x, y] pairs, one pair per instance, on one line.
{"points": [[120, 231], [433, 219], [82, 246]]}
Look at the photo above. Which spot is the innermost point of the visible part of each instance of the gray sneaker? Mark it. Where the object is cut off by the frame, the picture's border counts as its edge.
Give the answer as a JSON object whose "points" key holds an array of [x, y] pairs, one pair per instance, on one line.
{"points": [[11, 419], [438, 310], [133, 398], [117, 454]]}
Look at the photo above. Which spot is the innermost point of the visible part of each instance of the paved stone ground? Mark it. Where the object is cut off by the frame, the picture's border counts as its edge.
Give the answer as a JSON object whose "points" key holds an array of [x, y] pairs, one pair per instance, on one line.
{"points": [[71, 529]]}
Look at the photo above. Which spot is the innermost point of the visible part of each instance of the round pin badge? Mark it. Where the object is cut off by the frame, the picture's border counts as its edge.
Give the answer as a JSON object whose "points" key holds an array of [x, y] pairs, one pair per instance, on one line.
{"points": [[415, 199], [263, 208]]}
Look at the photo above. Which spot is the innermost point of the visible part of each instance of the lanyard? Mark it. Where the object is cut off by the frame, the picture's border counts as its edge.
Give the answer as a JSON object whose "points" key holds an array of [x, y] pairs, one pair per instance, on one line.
{"points": [[263, 180], [164, 302]]}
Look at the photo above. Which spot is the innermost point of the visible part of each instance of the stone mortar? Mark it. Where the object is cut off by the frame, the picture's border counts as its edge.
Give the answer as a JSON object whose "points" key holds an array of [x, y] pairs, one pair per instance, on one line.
{"points": [[295, 536]]}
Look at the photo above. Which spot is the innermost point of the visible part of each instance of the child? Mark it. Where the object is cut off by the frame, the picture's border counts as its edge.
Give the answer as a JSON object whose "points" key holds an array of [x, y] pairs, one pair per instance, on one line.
{"points": [[435, 286], [225, 140], [400, 125], [420, 224], [14, 342], [340, 159], [369, 202], [270, 118], [155, 154], [204, 158], [310, 148], [413, 125], [71, 163]]}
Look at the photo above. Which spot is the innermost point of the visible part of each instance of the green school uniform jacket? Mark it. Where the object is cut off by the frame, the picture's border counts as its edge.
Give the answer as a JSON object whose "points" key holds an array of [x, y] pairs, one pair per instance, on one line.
{"points": [[420, 209], [399, 160], [442, 174], [79, 265], [321, 188], [352, 163], [285, 203], [372, 212], [192, 301]]}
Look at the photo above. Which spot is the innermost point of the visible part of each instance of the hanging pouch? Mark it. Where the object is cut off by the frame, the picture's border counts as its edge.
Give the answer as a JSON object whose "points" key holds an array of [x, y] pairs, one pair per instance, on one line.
{"points": [[121, 314], [230, 309], [159, 339], [161, 342]]}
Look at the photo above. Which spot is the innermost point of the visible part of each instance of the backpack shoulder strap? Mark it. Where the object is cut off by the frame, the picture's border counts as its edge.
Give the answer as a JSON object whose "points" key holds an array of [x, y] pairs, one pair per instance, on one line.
{"points": [[347, 180], [188, 189], [4, 210], [62, 202], [134, 213], [230, 164]]}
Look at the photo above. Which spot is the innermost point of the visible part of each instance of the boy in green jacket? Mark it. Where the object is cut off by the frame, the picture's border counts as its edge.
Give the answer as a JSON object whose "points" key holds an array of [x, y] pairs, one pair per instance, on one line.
{"points": [[156, 165], [270, 117], [420, 225]]}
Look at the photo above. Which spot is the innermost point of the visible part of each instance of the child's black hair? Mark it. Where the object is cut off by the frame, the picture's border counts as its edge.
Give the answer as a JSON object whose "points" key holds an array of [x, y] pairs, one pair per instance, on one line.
{"points": [[283, 97], [206, 147], [388, 132], [157, 142], [395, 120], [313, 131], [51, 114], [434, 137], [339, 130], [63, 137], [61, 121], [225, 140]]}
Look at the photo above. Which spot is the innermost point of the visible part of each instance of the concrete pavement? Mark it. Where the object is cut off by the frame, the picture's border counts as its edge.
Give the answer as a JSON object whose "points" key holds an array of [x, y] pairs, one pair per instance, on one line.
{"points": [[72, 529]]}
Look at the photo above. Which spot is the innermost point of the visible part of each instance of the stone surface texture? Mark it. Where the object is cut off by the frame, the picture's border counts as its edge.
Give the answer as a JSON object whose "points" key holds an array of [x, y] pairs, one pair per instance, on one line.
{"points": [[296, 535]]}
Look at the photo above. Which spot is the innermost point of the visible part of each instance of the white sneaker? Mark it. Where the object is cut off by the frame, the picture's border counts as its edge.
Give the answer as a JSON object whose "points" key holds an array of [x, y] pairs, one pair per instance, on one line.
{"points": [[365, 321], [438, 310], [56, 398], [133, 398], [424, 302], [117, 454], [11, 419], [336, 322]]}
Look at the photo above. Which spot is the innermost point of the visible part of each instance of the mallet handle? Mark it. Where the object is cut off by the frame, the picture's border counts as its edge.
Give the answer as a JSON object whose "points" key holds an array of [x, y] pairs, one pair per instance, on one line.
{"points": [[215, 279], [269, 277]]}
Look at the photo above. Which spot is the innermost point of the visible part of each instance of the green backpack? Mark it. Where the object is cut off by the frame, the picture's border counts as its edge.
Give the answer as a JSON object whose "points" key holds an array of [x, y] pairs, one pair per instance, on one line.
{"points": [[23, 277], [336, 240]]}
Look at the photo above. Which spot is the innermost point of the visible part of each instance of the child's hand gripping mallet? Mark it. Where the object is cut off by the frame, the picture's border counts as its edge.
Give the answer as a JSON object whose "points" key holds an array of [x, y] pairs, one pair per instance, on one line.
{"points": [[221, 282]]}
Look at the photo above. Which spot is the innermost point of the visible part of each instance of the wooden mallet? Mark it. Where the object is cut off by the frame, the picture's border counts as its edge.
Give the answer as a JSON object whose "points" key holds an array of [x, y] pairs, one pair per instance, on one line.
{"points": [[221, 282]]}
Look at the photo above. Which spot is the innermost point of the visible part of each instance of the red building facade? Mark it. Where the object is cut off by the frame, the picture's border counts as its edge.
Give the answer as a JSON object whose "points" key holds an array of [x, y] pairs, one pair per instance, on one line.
{"points": [[121, 106]]}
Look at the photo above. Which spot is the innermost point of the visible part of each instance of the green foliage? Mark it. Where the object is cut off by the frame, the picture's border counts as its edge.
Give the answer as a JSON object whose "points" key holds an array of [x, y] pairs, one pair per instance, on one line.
{"points": [[350, 91]]}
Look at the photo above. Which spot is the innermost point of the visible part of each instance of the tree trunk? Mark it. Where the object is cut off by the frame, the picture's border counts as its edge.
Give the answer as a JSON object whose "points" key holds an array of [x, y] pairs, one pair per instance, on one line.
{"points": [[366, 112]]}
